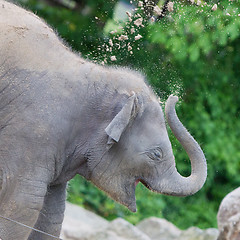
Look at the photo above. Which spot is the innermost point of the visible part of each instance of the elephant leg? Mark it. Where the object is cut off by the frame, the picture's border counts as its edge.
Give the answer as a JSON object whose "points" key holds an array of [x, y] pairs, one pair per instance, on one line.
{"points": [[20, 203], [51, 216]]}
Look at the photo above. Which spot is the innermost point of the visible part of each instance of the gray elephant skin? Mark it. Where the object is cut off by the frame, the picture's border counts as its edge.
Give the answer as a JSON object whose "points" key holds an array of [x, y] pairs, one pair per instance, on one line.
{"points": [[61, 115]]}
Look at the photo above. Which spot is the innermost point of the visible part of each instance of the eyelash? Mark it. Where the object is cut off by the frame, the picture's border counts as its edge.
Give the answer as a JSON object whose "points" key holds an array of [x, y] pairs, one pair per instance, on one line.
{"points": [[155, 153]]}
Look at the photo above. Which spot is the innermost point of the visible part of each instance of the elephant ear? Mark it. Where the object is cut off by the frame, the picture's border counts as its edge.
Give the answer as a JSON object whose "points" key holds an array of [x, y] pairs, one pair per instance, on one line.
{"points": [[119, 123]]}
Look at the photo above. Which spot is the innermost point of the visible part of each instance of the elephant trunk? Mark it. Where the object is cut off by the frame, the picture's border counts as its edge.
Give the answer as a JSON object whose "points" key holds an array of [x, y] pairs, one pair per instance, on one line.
{"points": [[177, 184]]}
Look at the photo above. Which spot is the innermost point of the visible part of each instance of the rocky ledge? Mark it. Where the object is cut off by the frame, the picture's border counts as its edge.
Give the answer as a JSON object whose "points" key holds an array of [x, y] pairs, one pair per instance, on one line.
{"points": [[81, 224]]}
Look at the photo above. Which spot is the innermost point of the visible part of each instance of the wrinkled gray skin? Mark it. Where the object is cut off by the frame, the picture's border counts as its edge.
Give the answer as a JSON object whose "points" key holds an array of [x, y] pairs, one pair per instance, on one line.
{"points": [[61, 116]]}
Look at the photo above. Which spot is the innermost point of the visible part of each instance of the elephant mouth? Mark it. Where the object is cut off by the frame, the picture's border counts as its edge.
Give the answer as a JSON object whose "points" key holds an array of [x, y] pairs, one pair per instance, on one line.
{"points": [[145, 183], [137, 182]]}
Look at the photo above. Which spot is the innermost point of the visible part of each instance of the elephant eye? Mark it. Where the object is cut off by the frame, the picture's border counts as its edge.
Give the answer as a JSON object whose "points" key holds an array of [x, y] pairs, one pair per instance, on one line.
{"points": [[158, 153], [155, 154]]}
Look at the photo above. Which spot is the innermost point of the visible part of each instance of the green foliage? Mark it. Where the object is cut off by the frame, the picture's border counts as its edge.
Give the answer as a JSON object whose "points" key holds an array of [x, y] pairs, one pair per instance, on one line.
{"points": [[204, 46], [195, 31], [194, 52]]}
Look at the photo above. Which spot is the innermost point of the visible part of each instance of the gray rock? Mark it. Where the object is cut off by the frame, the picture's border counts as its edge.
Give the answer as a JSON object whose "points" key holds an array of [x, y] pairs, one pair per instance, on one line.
{"points": [[126, 230], [211, 233], [102, 235], [194, 233], [159, 229], [229, 216], [80, 223]]}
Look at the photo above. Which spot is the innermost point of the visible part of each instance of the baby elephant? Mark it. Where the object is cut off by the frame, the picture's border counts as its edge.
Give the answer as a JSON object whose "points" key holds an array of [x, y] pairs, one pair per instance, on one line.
{"points": [[61, 115]]}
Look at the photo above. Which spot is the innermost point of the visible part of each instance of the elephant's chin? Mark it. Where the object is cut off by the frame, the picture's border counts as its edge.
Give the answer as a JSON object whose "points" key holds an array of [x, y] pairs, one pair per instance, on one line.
{"points": [[119, 191], [132, 206], [127, 197]]}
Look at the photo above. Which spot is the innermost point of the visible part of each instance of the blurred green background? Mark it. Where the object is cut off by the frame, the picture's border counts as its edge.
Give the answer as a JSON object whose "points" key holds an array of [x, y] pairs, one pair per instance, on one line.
{"points": [[193, 52]]}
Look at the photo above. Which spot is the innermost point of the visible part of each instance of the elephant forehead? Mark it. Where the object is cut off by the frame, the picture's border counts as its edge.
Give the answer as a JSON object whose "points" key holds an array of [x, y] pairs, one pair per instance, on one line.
{"points": [[151, 122], [152, 112]]}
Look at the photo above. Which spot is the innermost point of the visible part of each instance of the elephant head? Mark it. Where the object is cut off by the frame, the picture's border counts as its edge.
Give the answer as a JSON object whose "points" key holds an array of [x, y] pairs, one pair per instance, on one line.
{"points": [[138, 149]]}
